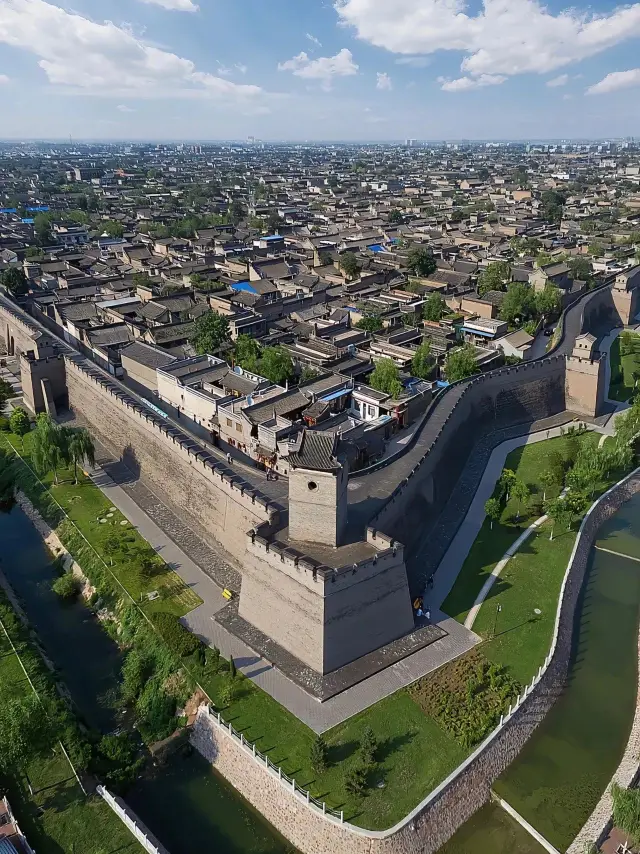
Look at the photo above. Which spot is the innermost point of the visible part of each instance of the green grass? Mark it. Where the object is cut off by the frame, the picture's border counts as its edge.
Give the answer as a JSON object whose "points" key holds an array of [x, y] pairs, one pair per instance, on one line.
{"points": [[529, 464], [624, 358], [55, 816], [85, 505], [415, 754]]}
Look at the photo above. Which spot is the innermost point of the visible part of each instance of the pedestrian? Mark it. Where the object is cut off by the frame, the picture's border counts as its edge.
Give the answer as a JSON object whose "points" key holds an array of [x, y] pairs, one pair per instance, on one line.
{"points": [[228, 458]]}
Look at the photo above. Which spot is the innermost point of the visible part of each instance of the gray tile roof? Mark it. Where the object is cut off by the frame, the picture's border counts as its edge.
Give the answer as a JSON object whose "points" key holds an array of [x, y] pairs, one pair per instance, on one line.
{"points": [[316, 452]]}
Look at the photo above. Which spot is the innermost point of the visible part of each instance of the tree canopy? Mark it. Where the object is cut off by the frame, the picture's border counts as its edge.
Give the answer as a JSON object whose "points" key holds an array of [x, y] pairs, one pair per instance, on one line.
{"points": [[386, 378], [276, 365], [495, 278], [370, 323], [15, 281], [461, 363], [519, 304], [434, 307], [210, 332], [349, 264], [423, 362], [420, 261]]}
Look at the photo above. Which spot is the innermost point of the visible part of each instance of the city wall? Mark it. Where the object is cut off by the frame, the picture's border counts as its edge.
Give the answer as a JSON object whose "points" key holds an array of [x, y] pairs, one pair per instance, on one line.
{"points": [[219, 502], [467, 789]]}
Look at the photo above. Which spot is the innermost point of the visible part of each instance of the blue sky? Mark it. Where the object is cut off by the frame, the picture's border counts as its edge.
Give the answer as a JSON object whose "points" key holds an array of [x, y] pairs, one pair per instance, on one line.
{"points": [[315, 69]]}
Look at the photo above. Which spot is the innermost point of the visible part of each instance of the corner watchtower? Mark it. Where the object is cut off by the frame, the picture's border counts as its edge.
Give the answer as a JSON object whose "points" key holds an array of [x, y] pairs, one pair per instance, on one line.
{"points": [[318, 476], [585, 378]]}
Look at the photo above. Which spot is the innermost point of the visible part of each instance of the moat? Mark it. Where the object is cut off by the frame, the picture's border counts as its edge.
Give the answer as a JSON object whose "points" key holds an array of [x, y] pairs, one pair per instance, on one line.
{"points": [[186, 804]]}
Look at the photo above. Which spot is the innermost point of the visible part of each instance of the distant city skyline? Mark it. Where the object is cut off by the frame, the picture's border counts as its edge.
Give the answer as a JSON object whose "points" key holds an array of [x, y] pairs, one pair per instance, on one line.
{"points": [[352, 70]]}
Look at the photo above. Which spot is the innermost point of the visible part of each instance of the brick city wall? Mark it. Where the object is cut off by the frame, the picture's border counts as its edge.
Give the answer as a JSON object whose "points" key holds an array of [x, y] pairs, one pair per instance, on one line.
{"points": [[210, 496], [434, 821], [515, 395]]}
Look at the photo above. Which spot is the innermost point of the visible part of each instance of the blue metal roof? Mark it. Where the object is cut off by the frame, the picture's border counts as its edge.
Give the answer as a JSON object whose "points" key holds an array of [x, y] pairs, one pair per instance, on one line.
{"points": [[376, 247], [28, 220], [243, 286], [478, 332], [273, 237], [8, 210], [336, 394]]}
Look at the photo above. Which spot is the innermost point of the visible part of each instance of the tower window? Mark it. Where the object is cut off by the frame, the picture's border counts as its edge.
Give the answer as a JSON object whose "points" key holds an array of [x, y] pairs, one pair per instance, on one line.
{"points": [[312, 485]]}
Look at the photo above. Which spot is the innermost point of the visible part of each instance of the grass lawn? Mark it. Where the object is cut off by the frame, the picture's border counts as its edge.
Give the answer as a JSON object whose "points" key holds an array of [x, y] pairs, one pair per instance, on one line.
{"points": [[93, 515], [56, 816], [529, 463], [625, 365], [415, 754]]}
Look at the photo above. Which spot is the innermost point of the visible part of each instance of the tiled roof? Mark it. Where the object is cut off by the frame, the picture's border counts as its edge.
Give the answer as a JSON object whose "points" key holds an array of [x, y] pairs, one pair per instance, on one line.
{"points": [[317, 452]]}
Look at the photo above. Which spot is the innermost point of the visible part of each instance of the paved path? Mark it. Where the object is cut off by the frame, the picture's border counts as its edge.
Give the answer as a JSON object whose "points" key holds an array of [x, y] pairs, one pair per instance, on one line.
{"points": [[449, 568]]}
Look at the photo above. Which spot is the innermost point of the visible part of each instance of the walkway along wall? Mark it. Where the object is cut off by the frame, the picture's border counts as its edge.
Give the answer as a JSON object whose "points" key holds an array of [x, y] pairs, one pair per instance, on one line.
{"points": [[468, 788], [221, 503]]}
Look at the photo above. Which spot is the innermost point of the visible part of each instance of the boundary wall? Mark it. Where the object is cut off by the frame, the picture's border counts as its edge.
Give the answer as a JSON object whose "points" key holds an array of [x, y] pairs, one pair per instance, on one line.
{"points": [[468, 788]]}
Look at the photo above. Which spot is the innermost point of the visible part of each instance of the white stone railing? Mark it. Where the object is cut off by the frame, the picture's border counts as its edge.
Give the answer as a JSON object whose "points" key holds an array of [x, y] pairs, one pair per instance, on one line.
{"points": [[130, 820]]}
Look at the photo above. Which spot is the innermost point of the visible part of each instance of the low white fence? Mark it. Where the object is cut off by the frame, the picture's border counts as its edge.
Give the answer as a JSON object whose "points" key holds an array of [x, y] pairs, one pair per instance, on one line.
{"points": [[136, 827], [288, 782]]}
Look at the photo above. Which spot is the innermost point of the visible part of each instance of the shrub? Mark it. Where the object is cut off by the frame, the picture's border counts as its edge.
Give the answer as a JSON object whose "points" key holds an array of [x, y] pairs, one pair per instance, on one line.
{"points": [[318, 755], [368, 746], [5, 426], [66, 586], [156, 712], [355, 780], [179, 639], [19, 422], [227, 693]]}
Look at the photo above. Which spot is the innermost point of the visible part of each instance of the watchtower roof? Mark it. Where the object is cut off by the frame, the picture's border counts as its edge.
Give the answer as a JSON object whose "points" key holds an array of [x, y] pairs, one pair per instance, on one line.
{"points": [[317, 451]]}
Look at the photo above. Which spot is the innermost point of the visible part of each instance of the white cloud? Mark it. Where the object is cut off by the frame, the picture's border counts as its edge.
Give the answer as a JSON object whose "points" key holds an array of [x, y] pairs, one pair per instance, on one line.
{"points": [[174, 5], [414, 61], [506, 37], [105, 59], [561, 80], [241, 68], [383, 82], [463, 84], [325, 68], [3, 79], [616, 80], [124, 109], [314, 40]]}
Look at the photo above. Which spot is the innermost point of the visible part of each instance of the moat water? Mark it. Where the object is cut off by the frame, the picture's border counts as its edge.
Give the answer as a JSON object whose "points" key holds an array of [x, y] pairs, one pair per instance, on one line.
{"points": [[185, 804], [560, 775]]}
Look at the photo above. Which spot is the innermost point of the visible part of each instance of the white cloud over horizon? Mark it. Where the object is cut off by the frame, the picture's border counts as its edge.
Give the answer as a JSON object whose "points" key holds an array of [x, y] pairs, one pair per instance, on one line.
{"points": [[505, 38], [560, 80], [383, 82], [174, 5], [615, 81], [464, 84], [79, 54], [323, 69]]}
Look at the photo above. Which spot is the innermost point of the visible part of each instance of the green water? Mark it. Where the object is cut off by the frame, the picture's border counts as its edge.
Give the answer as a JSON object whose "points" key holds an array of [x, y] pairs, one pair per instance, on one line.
{"points": [[491, 830], [558, 778], [185, 804], [190, 808]]}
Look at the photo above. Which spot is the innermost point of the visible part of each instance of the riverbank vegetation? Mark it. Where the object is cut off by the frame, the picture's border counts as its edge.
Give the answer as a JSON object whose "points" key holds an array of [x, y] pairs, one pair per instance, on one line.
{"points": [[624, 356], [43, 791]]}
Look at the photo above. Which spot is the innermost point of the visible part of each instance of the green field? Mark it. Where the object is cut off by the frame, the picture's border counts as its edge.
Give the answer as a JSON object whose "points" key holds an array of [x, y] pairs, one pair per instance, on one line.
{"points": [[624, 357], [82, 510], [56, 816]]}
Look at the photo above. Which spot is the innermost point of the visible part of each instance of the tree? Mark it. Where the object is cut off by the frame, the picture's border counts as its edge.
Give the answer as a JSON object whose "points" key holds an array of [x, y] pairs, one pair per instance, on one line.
{"points": [[386, 378], [434, 307], [142, 280], [81, 449], [246, 353], [395, 216], [111, 546], [276, 365], [349, 265], [552, 205], [420, 262], [274, 222], [66, 586], [113, 229], [355, 780], [6, 392], [15, 281], [423, 362], [7, 481], [210, 333], [549, 483], [233, 671], [548, 301], [557, 510], [50, 448], [495, 278], [318, 755], [520, 491], [461, 363], [227, 694], [308, 373], [237, 211], [370, 323], [519, 304], [580, 268], [368, 746], [25, 731], [19, 421], [493, 510]]}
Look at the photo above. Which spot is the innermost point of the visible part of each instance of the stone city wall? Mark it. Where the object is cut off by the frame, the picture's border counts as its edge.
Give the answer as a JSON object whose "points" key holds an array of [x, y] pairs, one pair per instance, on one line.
{"points": [[467, 789], [515, 395], [220, 503]]}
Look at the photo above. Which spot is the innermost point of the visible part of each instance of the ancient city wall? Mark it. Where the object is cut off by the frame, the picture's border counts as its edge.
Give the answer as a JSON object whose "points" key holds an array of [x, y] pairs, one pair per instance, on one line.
{"points": [[468, 788], [490, 402], [221, 503]]}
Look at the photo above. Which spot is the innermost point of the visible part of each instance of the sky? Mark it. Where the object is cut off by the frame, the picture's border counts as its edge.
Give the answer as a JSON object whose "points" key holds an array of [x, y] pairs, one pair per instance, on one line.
{"points": [[318, 69]]}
